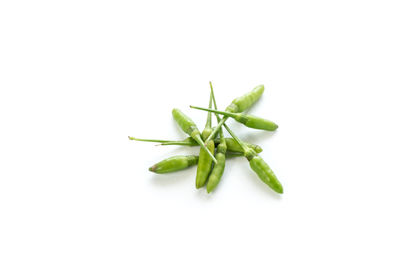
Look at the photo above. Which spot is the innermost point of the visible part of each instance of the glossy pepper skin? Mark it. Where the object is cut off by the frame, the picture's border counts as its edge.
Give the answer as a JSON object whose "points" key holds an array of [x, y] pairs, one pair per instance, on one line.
{"points": [[186, 123], [258, 165], [205, 162], [174, 164], [204, 165], [218, 169], [245, 101], [257, 123], [234, 146], [264, 172]]}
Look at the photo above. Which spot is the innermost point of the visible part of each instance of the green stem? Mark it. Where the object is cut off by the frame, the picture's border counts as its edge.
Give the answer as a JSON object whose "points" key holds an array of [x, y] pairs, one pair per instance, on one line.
{"points": [[248, 152], [181, 143], [243, 145], [229, 114], [216, 114], [208, 123], [217, 128], [150, 140], [201, 143]]}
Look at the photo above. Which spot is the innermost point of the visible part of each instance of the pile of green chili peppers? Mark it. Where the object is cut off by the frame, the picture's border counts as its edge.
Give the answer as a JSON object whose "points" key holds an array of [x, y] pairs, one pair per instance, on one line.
{"points": [[214, 147]]}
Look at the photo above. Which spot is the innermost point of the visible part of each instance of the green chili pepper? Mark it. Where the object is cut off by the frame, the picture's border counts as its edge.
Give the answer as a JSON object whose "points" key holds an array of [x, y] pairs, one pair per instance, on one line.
{"points": [[233, 155], [264, 172], [207, 142], [177, 163], [219, 168], [231, 144], [217, 171], [258, 165], [173, 164], [205, 162], [240, 104], [204, 166], [189, 127], [247, 100], [246, 119]]}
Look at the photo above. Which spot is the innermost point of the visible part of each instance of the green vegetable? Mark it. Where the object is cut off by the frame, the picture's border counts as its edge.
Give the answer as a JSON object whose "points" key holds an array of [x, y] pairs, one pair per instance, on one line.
{"points": [[173, 164], [219, 168], [247, 100], [205, 162], [248, 120], [189, 127], [258, 165], [204, 166], [217, 171], [264, 172], [232, 145], [177, 163], [207, 172], [240, 104]]}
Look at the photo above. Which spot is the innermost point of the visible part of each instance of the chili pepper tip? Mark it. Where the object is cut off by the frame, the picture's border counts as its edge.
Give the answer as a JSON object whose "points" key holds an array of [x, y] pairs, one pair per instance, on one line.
{"points": [[153, 168]]}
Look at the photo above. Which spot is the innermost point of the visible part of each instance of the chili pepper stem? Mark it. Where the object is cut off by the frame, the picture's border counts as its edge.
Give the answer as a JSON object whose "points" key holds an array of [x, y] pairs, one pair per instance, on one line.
{"points": [[234, 136], [182, 143], [149, 140], [208, 123], [216, 129], [215, 106], [213, 98], [201, 143], [215, 111], [216, 115], [248, 152]]}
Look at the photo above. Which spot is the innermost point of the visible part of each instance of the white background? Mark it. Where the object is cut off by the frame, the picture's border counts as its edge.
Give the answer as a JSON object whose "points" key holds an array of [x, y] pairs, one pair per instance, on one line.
{"points": [[78, 77]]}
